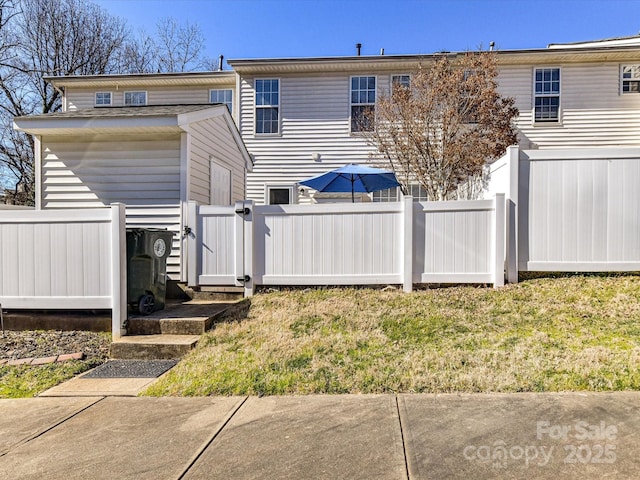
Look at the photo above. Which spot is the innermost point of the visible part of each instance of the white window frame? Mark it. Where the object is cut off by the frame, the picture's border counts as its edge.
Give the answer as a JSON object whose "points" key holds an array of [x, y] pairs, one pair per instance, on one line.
{"points": [[229, 104], [535, 95], [361, 104], [275, 186], [421, 189], [635, 77], [124, 98], [386, 195], [95, 99], [399, 75], [258, 107]]}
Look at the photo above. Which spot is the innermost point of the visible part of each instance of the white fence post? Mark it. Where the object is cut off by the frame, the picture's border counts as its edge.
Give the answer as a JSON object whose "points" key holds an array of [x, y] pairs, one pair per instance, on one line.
{"points": [[499, 236], [238, 250], [512, 214], [248, 248], [407, 250], [193, 249], [118, 270]]}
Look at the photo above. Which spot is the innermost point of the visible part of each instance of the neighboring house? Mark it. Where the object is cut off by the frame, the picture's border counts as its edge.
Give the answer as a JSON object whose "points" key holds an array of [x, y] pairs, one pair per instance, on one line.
{"points": [[152, 142], [156, 140]]}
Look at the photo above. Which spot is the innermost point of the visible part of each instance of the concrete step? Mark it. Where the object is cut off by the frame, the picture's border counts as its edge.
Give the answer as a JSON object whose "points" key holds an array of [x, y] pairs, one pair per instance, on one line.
{"points": [[152, 347], [218, 294], [178, 318], [169, 326]]}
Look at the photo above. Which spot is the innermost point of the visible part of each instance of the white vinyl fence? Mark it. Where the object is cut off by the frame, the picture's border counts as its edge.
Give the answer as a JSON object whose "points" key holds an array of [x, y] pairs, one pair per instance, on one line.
{"points": [[570, 210], [347, 244], [66, 259]]}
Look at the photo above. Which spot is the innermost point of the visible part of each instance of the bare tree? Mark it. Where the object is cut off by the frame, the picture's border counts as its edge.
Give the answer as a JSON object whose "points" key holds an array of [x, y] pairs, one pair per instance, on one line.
{"points": [[443, 129], [47, 38], [175, 48]]}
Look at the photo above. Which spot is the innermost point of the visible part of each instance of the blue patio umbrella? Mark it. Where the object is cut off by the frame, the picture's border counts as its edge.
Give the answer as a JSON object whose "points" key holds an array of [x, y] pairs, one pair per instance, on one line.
{"points": [[352, 178]]}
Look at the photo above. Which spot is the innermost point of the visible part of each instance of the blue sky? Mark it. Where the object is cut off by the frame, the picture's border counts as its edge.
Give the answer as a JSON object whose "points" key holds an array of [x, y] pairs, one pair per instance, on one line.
{"points": [[303, 28]]}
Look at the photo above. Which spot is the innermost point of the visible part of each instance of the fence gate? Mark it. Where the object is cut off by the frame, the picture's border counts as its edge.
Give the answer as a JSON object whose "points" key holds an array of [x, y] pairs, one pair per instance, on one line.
{"points": [[217, 246]]}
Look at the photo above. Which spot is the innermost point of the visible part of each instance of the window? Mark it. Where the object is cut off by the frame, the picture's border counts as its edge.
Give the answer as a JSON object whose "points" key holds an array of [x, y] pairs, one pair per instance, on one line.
{"points": [[363, 100], [631, 79], [547, 95], [388, 195], [279, 195], [401, 81], [418, 192], [103, 98], [224, 97], [135, 98], [267, 106]]}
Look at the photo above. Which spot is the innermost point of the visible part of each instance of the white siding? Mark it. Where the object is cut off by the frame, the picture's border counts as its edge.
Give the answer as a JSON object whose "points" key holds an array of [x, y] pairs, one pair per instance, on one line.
{"points": [[143, 173], [593, 113], [314, 118], [97, 171], [80, 98], [211, 140]]}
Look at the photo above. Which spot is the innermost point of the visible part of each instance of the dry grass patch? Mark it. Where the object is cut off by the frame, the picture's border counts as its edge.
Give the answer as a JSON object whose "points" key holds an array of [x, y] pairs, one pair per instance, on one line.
{"points": [[576, 333]]}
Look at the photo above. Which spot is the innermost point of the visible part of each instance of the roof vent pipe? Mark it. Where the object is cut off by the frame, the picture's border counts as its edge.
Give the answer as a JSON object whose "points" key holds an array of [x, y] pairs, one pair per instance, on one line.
{"points": [[491, 45], [382, 51], [358, 47], [220, 60]]}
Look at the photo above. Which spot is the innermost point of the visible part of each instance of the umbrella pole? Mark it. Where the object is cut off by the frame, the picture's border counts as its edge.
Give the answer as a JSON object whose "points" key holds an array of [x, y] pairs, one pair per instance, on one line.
{"points": [[352, 182]]}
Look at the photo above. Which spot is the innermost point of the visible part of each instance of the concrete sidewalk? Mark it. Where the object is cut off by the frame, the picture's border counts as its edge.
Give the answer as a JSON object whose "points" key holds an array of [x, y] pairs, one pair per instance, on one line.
{"points": [[549, 436]]}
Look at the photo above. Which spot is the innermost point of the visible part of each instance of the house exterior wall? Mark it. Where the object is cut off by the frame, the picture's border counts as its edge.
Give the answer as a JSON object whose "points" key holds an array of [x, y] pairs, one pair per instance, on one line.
{"points": [[80, 98], [593, 111], [314, 118], [95, 171], [209, 143]]}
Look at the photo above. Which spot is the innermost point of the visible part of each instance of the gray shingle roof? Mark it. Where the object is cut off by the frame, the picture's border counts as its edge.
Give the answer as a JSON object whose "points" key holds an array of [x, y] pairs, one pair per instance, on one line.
{"points": [[120, 112]]}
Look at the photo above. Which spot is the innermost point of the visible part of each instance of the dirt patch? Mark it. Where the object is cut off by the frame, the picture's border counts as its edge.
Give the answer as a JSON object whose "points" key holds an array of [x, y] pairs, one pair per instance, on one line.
{"points": [[30, 343]]}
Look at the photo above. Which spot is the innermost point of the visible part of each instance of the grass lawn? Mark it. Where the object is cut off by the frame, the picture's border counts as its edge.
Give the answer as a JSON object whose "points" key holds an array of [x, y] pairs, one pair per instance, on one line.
{"points": [[22, 381], [549, 334]]}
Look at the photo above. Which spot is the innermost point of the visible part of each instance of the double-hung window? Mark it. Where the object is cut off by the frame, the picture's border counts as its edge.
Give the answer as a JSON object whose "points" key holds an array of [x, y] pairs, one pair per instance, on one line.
{"points": [[103, 99], [135, 98], [363, 102], [631, 79], [547, 95], [223, 96], [267, 106]]}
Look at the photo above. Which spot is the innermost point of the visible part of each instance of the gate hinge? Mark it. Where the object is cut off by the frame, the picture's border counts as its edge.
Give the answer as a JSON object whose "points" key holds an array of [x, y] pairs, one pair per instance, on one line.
{"points": [[245, 279], [243, 211]]}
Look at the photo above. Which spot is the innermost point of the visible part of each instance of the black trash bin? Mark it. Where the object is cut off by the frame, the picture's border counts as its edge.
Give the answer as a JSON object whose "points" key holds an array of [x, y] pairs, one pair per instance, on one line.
{"points": [[147, 252]]}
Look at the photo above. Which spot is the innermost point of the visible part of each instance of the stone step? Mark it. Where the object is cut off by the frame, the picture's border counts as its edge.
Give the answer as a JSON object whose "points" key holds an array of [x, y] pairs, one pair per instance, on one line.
{"points": [[152, 347]]}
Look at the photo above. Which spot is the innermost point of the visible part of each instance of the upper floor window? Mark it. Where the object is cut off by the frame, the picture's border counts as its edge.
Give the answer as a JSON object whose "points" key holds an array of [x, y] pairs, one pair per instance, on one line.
{"points": [[103, 98], [547, 95], [363, 101], [268, 106], [223, 96], [135, 98], [401, 81], [631, 79]]}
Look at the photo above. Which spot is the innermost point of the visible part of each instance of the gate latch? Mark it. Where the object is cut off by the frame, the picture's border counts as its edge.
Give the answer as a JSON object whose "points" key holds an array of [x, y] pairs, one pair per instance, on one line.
{"points": [[243, 211]]}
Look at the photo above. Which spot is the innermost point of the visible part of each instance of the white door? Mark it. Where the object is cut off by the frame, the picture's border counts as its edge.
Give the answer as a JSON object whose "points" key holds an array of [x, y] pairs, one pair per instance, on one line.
{"points": [[220, 184]]}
